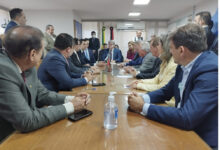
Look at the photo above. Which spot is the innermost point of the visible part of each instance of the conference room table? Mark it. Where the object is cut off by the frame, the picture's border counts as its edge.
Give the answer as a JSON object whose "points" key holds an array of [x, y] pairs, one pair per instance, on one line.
{"points": [[134, 131]]}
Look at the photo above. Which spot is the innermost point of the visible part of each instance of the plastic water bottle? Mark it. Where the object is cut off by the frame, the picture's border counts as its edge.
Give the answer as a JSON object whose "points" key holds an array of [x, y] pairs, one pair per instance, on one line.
{"points": [[111, 113]]}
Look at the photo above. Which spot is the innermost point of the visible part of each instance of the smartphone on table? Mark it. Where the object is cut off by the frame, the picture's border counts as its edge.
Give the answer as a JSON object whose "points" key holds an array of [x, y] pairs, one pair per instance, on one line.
{"points": [[79, 115]]}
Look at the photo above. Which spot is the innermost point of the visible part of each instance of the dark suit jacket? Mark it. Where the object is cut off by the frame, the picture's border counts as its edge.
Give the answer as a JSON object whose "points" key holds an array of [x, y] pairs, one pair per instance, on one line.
{"points": [[10, 25], [55, 74], [210, 36], [94, 44], [150, 73], [137, 61], [199, 106], [77, 63], [82, 57], [74, 68], [1, 43], [91, 56], [117, 56], [21, 102]]}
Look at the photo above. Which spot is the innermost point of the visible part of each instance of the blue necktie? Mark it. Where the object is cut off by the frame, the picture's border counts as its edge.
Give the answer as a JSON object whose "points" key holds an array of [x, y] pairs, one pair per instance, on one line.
{"points": [[87, 54]]}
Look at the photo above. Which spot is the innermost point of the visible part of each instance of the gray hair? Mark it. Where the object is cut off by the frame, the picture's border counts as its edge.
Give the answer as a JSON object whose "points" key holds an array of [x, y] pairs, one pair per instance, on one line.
{"points": [[111, 41], [144, 45], [48, 26]]}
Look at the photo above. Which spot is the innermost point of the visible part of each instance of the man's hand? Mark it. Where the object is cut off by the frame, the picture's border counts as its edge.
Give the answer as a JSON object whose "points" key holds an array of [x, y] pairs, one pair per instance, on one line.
{"points": [[127, 69], [127, 60], [95, 70], [101, 64], [89, 76], [113, 61], [135, 102], [88, 65], [79, 103], [133, 72], [84, 95], [121, 65], [134, 84]]}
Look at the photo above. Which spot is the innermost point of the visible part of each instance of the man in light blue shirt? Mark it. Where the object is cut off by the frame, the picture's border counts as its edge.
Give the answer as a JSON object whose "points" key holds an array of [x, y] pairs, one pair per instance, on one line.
{"points": [[194, 87]]}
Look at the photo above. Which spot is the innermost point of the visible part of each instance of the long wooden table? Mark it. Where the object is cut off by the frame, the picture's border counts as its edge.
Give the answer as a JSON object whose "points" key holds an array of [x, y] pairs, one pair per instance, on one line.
{"points": [[115, 81], [134, 132]]}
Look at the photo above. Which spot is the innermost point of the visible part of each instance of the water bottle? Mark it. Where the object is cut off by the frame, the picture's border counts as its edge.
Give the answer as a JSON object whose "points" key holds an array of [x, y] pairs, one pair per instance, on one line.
{"points": [[111, 113]]}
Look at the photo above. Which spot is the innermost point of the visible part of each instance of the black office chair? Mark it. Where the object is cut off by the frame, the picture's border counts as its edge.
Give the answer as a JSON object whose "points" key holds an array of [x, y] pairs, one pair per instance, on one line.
{"points": [[5, 129]]}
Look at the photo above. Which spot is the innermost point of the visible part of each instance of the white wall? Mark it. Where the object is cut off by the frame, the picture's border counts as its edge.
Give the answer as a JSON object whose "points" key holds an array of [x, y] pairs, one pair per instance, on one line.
{"points": [[62, 20], [122, 37], [88, 27], [183, 18], [4, 18]]}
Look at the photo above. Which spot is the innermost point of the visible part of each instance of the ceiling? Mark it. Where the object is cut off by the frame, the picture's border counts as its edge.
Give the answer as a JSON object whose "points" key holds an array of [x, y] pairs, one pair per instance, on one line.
{"points": [[108, 9]]}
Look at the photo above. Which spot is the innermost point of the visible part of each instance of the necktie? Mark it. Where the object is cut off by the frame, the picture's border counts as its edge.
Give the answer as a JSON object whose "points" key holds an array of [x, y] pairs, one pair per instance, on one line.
{"points": [[110, 55], [78, 58], [87, 54], [23, 76]]}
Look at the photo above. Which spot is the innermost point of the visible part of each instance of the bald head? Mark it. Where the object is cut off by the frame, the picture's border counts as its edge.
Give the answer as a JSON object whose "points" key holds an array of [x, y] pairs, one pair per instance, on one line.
{"points": [[138, 33], [20, 40]]}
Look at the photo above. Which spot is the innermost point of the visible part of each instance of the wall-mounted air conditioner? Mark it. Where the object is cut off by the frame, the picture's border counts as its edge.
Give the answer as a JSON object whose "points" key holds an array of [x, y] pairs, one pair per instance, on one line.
{"points": [[130, 26]]}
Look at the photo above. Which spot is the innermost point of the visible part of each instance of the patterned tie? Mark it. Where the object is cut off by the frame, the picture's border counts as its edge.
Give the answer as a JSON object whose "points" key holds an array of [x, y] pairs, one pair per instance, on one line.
{"points": [[110, 54]]}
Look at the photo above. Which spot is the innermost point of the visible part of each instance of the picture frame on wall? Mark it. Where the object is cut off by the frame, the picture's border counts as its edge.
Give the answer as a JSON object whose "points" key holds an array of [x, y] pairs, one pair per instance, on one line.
{"points": [[77, 29]]}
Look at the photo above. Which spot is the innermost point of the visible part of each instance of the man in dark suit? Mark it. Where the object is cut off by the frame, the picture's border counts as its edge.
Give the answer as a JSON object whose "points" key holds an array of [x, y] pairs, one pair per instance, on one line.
{"points": [[54, 71], [94, 44], [17, 18], [74, 61], [194, 87], [88, 53], [111, 53], [81, 54], [204, 19], [75, 58], [24, 100]]}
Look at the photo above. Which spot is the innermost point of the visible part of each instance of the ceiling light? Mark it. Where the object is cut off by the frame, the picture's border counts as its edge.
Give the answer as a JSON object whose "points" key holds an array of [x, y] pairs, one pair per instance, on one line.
{"points": [[134, 14], [141, 2]]}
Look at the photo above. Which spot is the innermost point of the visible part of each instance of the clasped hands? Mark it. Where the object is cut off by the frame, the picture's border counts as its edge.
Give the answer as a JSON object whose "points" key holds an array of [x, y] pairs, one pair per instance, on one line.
{"points": [[135, 102], [80, 101]]}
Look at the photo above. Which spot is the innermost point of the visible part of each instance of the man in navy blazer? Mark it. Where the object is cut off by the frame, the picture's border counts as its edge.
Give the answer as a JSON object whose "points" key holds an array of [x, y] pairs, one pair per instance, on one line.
{"points": [[54, 71], [114, 53], [94, 44], [88, 53], [17, 18], [194, 86], [81, 54]]}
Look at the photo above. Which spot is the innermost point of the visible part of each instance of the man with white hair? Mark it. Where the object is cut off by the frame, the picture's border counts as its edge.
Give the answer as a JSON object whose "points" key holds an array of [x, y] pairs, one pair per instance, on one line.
{"points": [[138, 36], [150, 63], [111, 53]]}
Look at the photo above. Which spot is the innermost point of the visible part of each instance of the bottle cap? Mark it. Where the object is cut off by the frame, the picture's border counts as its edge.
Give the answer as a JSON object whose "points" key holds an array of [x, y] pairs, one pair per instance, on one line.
{"points": [[112, 93]]}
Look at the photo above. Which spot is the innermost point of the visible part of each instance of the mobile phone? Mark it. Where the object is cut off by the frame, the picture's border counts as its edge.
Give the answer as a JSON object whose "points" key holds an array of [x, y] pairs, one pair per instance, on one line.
{"points": [[79, 115], [98, 84]]}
